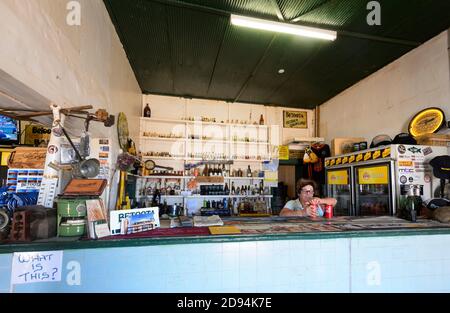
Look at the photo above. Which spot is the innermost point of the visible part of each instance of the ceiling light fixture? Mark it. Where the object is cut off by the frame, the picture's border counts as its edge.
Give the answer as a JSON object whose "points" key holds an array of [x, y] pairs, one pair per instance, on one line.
{"points": [[282, 27], [281, 71]]}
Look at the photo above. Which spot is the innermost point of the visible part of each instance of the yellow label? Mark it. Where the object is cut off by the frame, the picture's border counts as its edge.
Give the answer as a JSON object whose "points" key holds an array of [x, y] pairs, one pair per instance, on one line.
{"points": [[332, 162], [344, 160], [367, 156], [337, 177], [327, 162], [373, 175], [223, 230], [5, 158], [405, 163], [376, 154], [386, 152], [283, 152], [359, 157], [351, 159], [338, 161]]}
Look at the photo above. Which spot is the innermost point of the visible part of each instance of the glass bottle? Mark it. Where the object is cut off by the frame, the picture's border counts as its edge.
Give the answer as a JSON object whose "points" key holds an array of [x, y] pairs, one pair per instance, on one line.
{"points": [[147, 111], [261, 120]]}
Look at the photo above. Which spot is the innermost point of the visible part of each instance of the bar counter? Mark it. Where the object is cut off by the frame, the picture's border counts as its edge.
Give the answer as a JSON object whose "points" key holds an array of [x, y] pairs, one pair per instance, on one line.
{"points": [[273, 254]]}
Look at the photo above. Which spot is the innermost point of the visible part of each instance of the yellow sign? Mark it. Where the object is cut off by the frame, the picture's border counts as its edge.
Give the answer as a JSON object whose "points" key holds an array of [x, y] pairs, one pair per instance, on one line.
{"points": [[338, 161], [359, 157], [37, 135], [427, 121], [332, 162], [376, 154], [337, 177], [386, 152], [5, 158], [367, 155], [283, 152], [405, 163], [351, 159], [344, 160], [373, 175], [295, 119]]}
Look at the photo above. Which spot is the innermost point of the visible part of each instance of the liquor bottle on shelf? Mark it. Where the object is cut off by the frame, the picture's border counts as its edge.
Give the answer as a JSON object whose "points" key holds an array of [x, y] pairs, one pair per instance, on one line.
{"points": [[227, 190], [233, 190], [205, 170], [147, 111], [249, 171], [224, 170], [219, 171], [261, 120]]}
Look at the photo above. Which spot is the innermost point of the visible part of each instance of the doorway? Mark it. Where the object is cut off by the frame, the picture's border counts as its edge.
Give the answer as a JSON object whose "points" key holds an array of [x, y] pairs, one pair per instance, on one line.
{"points": [[286, 174]]}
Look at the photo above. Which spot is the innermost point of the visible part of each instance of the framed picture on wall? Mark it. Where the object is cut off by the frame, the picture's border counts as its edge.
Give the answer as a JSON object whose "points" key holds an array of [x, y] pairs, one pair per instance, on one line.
{"points": [[295, 119]]}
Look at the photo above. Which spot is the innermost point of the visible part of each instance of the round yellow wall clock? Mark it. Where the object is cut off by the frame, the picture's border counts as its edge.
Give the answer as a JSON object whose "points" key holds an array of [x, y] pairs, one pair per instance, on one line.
{"points": [[427, 121]]}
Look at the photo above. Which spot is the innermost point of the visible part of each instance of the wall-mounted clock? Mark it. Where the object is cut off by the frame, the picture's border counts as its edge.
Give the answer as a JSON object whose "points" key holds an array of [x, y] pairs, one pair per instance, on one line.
{"points": [[427, 121]]}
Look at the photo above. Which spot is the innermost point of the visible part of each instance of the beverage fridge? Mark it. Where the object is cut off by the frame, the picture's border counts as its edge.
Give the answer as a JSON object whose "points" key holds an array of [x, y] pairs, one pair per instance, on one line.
{"points": [[376, 181]]}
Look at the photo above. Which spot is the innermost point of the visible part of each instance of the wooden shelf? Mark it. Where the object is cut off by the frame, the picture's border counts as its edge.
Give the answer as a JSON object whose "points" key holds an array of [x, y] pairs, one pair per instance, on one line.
{"points": [[162, 120], [162, 139]]}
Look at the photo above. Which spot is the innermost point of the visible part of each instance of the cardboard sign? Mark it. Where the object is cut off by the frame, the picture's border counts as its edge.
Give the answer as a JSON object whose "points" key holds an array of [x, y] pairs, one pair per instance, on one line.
{"points": [[124, 222], [36, 267], [295, 119], [283, 152], [37, 135]]}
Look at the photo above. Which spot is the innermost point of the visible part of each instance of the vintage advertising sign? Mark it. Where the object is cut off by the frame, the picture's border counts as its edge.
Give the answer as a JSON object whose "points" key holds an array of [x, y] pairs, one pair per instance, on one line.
{"points": [[295, 119], [373, 175], [124, 222], [37, 135], [338, 177]]}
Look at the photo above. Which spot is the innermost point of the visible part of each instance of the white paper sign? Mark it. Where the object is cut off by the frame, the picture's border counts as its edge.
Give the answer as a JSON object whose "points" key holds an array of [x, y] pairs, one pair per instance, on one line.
{"points": [[35, 267]]}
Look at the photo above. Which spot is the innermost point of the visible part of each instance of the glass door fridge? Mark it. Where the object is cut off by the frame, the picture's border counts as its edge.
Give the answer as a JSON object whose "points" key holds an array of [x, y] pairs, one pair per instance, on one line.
{"points": [[339, 187], [373, 189]]}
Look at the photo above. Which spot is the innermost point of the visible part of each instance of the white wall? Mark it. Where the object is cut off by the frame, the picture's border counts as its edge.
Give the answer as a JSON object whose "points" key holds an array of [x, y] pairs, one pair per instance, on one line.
{"points": [[385, 101], [175, 108], [69, 65]]}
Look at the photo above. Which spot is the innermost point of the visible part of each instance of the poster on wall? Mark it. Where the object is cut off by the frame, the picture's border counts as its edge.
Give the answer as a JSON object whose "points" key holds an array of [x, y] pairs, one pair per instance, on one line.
{"points": [[283, 152], [295, 119], [37, 135]]}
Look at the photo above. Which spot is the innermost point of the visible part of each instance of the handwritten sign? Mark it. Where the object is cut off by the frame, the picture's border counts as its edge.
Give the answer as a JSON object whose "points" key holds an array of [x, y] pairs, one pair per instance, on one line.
{"points": [[283, 152], [295, 119], [35, 267]]}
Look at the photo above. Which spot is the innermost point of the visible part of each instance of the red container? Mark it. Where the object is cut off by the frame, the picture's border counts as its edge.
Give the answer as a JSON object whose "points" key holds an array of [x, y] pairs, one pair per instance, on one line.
{"points": [[328, 211]]}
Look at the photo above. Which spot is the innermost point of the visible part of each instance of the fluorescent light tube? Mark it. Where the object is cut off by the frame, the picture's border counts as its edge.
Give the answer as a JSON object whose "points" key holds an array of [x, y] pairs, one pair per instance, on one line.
{"points": [[282, 27]]}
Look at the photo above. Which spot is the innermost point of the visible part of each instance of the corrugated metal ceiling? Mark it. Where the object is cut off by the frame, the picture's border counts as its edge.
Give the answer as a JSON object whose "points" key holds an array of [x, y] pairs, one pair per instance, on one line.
{"points": [[188, 48]]}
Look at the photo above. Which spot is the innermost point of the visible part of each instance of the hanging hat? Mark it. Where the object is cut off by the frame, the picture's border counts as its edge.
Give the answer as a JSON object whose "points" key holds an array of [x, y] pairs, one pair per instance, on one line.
{"points": [[380, 140], [404, 139], [441, 166], [310, 156]]}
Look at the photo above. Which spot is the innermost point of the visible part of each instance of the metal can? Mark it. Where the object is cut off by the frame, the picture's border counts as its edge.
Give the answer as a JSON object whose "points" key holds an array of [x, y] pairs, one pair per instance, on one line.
{"points": [[363, 145], [328, 211]]}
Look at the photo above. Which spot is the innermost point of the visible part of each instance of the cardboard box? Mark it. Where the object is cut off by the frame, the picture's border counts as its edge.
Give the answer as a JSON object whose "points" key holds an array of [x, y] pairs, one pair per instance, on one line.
{"points": [[344, 145]]}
